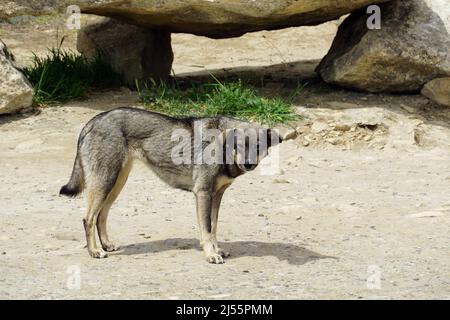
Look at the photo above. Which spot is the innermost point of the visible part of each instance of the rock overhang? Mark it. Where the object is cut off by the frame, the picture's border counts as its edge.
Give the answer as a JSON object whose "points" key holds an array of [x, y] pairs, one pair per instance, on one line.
{"points": [[210, 18]]}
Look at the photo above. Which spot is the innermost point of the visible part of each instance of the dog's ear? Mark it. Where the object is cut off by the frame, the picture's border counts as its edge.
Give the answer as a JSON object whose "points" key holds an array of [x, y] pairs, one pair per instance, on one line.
{"points": [[273, 138]]}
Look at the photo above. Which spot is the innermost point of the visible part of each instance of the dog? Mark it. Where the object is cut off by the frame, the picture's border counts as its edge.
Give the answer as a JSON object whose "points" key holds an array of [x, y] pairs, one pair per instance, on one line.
{"points": [[110, 142]]}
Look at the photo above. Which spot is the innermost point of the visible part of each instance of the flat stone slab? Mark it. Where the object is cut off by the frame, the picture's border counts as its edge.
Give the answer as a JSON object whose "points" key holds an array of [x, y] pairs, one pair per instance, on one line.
{"points": [[211, 18]]}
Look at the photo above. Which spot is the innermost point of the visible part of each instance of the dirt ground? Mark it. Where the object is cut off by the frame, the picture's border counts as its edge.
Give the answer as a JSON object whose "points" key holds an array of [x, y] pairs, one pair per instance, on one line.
{"points": [[360, 208]]}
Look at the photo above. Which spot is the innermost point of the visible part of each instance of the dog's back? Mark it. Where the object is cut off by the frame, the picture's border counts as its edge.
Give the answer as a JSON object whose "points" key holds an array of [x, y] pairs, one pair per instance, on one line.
{"points": [[109, 141]]}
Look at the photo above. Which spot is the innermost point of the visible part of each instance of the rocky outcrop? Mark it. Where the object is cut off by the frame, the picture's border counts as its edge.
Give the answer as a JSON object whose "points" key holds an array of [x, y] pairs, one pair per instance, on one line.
{"points": [[134, 52], [211, 18], [411, 48], [442, 8], [10, 9], [438, 91], [16, 92]]}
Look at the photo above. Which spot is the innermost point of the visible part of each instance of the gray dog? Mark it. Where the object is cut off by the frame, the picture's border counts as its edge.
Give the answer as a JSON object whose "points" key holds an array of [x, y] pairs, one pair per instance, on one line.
{"points": [[110, 142]]}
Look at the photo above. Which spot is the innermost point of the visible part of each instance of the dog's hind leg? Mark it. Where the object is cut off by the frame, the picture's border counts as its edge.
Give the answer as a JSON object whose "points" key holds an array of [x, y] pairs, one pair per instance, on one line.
{"points": [[108, 245], [103, 152], [96, 198]]}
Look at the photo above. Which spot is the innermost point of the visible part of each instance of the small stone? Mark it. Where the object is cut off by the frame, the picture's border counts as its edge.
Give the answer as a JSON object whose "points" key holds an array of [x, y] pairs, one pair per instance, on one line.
{"points": [[291, 135], [319, 127], [342, 127], [408, 108], [281, 181], [332, 141], [438, 91]]}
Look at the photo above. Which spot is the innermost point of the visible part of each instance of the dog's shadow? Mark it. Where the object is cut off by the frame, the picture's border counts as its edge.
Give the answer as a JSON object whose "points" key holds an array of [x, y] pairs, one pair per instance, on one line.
{"points": [[293, 254]]}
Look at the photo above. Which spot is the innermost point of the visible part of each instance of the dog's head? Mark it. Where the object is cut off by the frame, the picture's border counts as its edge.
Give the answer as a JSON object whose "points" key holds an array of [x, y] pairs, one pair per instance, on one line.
{"points": [[247, 147]]}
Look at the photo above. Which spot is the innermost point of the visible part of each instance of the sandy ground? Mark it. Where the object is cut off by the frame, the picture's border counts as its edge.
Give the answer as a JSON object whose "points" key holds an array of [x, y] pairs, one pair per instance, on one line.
{"points": [[359, 210]]}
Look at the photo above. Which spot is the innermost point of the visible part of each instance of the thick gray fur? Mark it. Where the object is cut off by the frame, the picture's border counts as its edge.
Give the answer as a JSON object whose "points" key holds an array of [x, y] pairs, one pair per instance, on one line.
{"points": [[110, 142]]}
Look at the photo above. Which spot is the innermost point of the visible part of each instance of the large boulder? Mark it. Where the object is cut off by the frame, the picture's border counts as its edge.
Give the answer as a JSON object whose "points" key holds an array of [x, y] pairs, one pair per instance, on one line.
{"points": [[16, 92], [438, 91], [211, 18], [442, 8], [134, 52], [411, 48]]}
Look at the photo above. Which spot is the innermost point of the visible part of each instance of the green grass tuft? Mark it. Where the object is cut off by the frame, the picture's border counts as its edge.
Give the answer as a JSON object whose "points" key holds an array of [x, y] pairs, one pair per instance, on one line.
{"points": [[235, 99], [63, 75]]}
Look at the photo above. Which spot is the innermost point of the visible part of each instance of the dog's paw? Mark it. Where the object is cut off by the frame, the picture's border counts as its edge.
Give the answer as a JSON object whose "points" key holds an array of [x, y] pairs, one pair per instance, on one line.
{"points": [[223, 254], [110, 247], [215, 259], [98, 254]]}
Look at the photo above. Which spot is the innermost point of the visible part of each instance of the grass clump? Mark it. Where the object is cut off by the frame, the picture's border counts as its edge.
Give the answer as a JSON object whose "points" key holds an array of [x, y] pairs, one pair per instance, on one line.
{"points": [[63, 75], [235, 99]]}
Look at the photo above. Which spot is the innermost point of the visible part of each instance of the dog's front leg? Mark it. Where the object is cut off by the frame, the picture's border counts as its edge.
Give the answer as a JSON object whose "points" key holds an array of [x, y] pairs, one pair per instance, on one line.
{"points": [[204, 201], [214, 221]]}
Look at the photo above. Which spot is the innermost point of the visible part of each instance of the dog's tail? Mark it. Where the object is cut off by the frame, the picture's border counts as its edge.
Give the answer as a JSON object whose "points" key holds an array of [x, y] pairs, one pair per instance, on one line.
{"points": [[76, 182]]}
